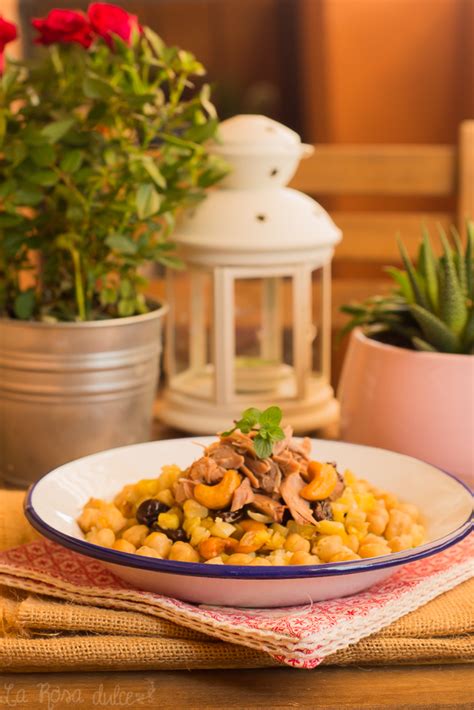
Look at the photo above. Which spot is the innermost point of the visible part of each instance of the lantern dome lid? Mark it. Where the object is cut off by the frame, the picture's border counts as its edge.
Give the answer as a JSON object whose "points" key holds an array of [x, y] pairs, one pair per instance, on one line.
{"points": [[236, 225], [248, 133]]}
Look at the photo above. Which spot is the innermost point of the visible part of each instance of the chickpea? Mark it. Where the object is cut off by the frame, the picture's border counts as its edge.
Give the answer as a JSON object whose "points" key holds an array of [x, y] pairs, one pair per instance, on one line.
{"points": [[104, 537], [166, 497], [411, 510], [158, 542], [418, 535], [352, 542], [261, 561], [296, 543], [123, 546], [113, 518], [302, 557], [183, 552], [390, 499], [344, 555], [215, 561], [88, 519], [378, 519], [135, 534], [327, 547], [125, 500], [240, 558], [148, 552], [373, 549], [402, 542], [398, 524]]}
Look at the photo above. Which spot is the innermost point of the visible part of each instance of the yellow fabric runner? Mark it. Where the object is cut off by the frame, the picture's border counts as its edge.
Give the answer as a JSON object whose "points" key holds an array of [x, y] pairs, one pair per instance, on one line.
{"points": [[38, 633]]}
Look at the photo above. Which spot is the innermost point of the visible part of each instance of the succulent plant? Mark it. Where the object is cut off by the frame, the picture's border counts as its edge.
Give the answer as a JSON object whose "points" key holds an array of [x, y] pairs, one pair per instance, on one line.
{"points": [[432, 308]]}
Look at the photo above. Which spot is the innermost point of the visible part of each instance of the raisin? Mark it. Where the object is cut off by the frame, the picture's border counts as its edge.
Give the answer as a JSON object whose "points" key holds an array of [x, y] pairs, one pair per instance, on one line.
{"points": [[229, 516], [174, 535], [322, 510], [149, 510]]}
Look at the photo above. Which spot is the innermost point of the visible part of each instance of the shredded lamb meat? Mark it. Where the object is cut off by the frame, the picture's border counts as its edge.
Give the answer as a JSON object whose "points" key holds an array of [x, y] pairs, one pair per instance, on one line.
{"points": [[242, 496], [269, 506], [206, 470], [299, 508]]}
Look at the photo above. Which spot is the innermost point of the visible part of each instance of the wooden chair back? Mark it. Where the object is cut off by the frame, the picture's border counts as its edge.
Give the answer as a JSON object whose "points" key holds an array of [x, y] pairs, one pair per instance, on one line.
{"points": [[435, 182]]}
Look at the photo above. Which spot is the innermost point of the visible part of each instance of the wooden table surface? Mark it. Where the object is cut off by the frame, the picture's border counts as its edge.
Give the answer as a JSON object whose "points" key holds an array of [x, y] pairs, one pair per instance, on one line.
{"points": [[401, 688]]}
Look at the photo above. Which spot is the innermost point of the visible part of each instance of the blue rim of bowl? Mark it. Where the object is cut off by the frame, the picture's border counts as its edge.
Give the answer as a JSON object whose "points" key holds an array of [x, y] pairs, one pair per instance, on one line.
{"points": [[200, 569]]}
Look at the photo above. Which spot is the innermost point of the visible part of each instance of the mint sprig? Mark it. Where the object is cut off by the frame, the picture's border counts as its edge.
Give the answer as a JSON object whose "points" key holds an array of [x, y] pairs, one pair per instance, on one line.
{"points": [[267, 426]]}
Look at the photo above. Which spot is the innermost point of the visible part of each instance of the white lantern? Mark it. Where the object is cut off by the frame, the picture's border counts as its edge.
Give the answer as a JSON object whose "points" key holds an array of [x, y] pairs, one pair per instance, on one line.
{"points": [[252, 327]]}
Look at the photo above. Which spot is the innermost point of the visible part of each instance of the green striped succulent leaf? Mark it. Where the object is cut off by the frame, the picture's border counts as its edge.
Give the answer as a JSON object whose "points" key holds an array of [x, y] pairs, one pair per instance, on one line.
{"points": [[452, 303]]}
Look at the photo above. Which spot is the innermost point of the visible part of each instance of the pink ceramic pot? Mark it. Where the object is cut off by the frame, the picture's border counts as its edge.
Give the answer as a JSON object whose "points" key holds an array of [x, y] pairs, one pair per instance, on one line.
{"points": [[417, 403]]}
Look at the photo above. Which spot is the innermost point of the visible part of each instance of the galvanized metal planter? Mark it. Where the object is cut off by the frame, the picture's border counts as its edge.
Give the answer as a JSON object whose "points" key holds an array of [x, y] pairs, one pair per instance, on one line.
{"points": [[71, 389]]}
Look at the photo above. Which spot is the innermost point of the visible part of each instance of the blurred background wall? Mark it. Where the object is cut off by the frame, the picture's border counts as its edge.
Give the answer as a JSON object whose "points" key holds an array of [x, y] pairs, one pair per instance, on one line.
{"points": [[338, 72]]}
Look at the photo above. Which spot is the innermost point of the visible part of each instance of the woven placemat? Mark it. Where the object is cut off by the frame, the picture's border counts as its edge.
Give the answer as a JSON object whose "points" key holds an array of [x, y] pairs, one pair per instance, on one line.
{"points": [[42, 634]]}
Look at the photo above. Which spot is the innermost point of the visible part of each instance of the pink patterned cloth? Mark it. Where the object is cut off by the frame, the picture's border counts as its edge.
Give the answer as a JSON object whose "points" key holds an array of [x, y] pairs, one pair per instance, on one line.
{"points": [[299, 636]]}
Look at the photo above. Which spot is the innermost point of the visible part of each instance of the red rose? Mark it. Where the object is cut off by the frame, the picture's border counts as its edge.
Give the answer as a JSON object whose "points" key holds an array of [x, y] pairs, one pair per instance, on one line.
{"points": [[109, 20], [7, 34], [63, 26]]}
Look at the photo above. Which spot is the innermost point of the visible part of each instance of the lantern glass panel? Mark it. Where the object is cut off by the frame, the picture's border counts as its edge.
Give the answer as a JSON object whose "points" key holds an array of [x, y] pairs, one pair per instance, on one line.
{"points": [[189, 346], [248, 319], [316, 321]]}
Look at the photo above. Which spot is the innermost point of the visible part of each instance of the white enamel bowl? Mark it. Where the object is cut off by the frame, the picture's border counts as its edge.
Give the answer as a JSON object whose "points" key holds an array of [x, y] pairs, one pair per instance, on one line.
{"points": [[54, 503]]}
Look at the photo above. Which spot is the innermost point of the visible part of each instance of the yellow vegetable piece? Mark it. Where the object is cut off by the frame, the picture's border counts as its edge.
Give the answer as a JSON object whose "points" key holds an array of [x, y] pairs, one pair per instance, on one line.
{"points": [[323, 481], [219, 496]]}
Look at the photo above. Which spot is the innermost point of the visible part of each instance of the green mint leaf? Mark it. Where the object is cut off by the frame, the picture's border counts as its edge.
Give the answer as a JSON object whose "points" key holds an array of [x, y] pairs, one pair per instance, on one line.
{"points": [[251, 416], [277, 433], [263, 447], [271, 416]]}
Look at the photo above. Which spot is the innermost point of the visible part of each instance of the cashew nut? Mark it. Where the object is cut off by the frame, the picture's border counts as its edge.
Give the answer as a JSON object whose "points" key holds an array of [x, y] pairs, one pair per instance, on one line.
{"points": [[219, 496], [323, 481]]}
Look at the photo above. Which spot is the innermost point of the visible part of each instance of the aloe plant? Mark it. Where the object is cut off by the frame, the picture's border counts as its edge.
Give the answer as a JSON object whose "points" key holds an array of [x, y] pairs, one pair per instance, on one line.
{"points": [[432, 307]]}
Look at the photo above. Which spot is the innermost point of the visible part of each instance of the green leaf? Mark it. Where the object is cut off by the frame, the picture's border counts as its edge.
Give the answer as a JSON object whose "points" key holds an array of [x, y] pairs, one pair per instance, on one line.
{"points": [[45, 178], [427, 267], [452, 306], [401, 278], [108, 296], [435, 331], [126, 307], [3, 126], [28, 195], [251, 416], [121, 243], [148, 201], [155, 41], [9, 220], [414, 278], [263, 447], [271, 416], [468, 335], [24, 304], [459, 262], [277, 434], [126, 289], [95, 88], [43, 155], [469, 259], [422, 345], [153, 171], [57, 130], [72, 161]]}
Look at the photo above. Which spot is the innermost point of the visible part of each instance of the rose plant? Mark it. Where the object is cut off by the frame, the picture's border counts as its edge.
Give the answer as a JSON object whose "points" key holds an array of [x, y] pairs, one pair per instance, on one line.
{"points": [[102, 140]]}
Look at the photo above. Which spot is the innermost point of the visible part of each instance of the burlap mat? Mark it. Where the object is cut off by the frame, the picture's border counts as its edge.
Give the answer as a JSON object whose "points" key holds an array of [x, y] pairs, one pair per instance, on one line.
{"points": [[42, 634]]}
